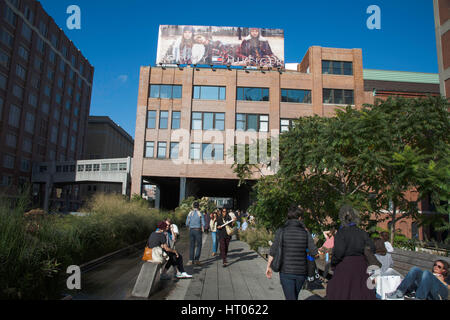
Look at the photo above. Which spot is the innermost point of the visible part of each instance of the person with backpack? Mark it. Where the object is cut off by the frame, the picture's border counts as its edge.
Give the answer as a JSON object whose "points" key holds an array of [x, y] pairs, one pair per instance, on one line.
{"points": [[195, 221]]}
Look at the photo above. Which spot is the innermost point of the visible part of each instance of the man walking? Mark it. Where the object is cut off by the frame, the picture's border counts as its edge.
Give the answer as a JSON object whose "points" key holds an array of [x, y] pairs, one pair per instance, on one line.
{"points": [[195, 221]]}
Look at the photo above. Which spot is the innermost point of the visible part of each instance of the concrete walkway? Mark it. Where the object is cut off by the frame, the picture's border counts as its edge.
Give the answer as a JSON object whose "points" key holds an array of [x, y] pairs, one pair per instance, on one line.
{"points": [[243, 279]]}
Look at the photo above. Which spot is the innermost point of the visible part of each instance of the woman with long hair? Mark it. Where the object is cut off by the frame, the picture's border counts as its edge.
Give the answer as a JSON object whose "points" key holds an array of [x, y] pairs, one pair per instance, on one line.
{"points": [[224, 238], [213, 227]]}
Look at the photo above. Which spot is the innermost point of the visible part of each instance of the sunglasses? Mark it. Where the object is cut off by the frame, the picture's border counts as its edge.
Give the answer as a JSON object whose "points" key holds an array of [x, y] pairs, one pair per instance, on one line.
{"points": [[439, 266]]}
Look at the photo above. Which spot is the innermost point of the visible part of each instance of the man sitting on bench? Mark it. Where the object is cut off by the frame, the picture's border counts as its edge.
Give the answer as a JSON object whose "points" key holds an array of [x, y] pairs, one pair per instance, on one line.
{"points": [[157, 239]]}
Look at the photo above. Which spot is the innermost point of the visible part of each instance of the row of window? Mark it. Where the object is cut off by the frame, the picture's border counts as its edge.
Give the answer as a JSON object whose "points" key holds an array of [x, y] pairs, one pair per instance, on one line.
{"points": [[251, 94], [198, 151], [9, 163], [103, 167]]}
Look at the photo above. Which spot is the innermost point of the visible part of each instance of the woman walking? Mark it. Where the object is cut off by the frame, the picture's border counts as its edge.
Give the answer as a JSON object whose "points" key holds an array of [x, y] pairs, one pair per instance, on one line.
{"points": [[350, 275], [224, 238], [295, 241], [213, 227]]}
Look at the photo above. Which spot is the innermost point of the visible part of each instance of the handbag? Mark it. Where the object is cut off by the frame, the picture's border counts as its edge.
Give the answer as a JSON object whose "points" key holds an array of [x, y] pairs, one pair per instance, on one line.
{"points": [[158, 255], [230, 230], [147, 254], [276, 262]]}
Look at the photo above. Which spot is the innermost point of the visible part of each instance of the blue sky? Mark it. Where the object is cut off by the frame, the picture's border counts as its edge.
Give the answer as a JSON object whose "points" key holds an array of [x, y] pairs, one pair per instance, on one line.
{"points": [[118, 37]]}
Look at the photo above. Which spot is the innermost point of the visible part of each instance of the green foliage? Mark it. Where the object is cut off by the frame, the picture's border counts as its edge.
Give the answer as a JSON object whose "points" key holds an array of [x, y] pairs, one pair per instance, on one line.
{"points": [[34, 260], [256, 237], [369, 158], [206, 205]]}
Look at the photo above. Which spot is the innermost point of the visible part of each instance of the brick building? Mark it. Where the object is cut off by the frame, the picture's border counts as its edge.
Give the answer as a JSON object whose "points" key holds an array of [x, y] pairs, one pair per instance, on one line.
{"points": [[442, 27], [45, 93]]}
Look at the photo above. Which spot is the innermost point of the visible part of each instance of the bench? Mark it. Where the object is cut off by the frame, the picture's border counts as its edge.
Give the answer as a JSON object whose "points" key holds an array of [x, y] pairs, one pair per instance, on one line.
{"points": [[147, 280]]}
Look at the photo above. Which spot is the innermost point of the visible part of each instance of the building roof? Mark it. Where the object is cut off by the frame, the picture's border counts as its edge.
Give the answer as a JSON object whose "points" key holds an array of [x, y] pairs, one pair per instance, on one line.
{"points": [[107, 120]]}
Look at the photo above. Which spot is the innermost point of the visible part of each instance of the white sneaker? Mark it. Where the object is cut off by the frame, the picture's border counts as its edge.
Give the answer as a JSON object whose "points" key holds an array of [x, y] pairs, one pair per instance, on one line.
{"points": [[183, 275]]}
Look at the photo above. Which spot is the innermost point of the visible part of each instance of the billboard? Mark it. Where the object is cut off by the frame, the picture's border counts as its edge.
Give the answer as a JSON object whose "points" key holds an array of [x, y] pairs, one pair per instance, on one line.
{"points": [[206, 45]]}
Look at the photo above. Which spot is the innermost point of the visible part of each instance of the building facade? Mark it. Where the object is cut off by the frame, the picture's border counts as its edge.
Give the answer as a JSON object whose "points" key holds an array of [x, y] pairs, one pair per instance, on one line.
{"points": [[442, 27], [45, 93]]}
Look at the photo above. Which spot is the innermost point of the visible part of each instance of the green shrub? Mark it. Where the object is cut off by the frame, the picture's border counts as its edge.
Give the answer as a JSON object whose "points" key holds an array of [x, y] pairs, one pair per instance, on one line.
{"points": [[256, 237]]}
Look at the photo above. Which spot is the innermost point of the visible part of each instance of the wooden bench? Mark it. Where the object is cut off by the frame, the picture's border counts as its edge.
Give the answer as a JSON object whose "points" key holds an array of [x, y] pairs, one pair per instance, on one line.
{"points": [[148, 278]]}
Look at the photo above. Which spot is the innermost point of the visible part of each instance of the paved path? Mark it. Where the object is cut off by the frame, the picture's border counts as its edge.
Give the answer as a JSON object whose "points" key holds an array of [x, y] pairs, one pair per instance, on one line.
{"points": [[243, 279]]}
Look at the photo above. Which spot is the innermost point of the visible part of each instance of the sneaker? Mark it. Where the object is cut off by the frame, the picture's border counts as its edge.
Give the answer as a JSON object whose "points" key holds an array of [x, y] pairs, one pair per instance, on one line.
{"points": [[189, 263], [183, 275], [396, 295]]}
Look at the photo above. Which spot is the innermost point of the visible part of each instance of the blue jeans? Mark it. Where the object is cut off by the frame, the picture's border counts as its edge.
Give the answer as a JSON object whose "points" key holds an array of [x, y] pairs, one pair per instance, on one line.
{"points": [[195, 237], [214, 239], [292, 284], [426, 284]]}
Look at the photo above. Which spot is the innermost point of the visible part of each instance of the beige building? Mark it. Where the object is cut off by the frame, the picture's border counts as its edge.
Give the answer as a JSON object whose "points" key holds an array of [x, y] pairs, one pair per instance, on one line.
{"points": [[189, 118]]}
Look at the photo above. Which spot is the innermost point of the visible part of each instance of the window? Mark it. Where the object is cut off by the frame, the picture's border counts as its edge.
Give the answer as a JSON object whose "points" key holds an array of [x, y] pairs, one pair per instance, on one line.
{"points": [[337, 67], [209, 93], [149, 149], [50, 75], [14, 116], [114, 166], [174, 148], [163, 119], [54, 135], [43, 28], [25, 165], [338, 96], [54, 40], [26, 31], [52, 56], [105, 166], [24, 53], [3, 81], [47, 91], [96, 167], [72, 143], [80, 168], [35, 82], [11, 140], [27, 145], [195, 151], [56, 114], [40, 45], [296, 96], [10, 16], [18, 92], [212, 152], [62, 66], [253, 94], [8, 161], [162, 150], [252, 122], [285, 124], [21, 72], [64, 139], [122, 167], [165, 91], [176, 118], [89, 167], [45, 107], [208, 121], [4, 59], [29, 123], [7, 38], [38, 64], [151, 119], [28, 14]]}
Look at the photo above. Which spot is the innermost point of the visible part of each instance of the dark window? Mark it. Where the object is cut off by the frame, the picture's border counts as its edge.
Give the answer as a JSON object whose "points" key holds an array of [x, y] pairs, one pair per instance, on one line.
{"points": [[338, 96], [252, 122], [165, 91], [253, 94], [337, 67], [208, 121], [296, 96]]}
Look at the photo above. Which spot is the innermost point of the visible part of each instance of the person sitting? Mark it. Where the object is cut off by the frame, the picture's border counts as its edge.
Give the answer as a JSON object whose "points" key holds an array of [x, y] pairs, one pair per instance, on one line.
{"points": [[157, 239], [382, 255], [385, 236], [431, 285]]}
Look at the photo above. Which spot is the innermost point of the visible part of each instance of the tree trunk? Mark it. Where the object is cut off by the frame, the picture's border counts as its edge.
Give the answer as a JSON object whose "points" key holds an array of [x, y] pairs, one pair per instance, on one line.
{"points": [[392, 229]]}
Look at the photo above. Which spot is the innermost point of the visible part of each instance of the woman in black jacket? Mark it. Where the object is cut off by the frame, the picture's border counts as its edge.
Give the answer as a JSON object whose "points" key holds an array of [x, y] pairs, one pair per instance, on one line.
{"points": [[296, 240], [348, 261]]}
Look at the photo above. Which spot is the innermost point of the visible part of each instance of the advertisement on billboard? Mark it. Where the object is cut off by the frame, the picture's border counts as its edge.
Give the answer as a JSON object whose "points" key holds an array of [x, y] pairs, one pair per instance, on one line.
{"points": [[207, 45]]}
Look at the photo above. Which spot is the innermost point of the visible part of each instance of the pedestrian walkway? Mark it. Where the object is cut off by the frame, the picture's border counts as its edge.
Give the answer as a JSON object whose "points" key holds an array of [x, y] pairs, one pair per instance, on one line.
{"points": [[243, 279]]}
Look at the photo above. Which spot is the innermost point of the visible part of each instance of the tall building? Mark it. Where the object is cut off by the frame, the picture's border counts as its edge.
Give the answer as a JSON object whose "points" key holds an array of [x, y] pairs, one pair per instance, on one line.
{"points": [[442, 27], [45, 93]]}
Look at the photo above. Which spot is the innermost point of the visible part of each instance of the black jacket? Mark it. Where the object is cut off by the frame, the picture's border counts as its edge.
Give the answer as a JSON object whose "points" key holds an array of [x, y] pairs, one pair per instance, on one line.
{"points": [[350, 241], [295, 242], [222, 233]]}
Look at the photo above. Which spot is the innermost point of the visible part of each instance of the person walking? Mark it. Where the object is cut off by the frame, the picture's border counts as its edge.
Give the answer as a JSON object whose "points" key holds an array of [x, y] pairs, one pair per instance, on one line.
{"points": [[207, 221], [213, 228], [348, 260], [159, 238], [195, 221], [224, 238], [296, 239]]}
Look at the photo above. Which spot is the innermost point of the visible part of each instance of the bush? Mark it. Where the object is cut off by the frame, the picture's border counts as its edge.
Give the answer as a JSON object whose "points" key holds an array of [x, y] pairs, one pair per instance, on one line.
{"points": [[256, 237], [37, 248]]}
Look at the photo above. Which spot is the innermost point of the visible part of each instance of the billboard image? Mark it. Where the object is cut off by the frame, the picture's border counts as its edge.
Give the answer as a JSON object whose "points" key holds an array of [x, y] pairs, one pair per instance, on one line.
{"points": [[206, 45]]}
